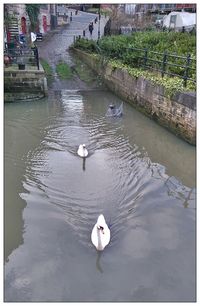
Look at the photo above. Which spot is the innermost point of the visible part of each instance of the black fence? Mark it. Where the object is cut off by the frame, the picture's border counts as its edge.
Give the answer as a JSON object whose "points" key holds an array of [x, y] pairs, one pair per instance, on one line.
{"points": [[23, 57], [174, 65]]}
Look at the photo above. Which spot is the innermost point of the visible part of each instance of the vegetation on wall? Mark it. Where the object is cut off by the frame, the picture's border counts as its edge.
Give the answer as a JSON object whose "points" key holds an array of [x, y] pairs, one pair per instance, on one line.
{"points": [[176, 43], [47, 68], [84, 72], [118, 48], [8, 17], [172, 42], [171, 85], [33, 12]]}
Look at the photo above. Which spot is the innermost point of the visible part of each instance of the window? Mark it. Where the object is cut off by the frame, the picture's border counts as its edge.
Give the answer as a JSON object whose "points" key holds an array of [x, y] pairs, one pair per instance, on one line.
{"points": [[172, 21]]}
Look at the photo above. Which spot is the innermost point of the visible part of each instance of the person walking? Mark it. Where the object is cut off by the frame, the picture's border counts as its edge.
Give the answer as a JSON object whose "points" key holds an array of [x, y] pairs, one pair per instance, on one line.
{"points": [[91, 28], [33, 39]]}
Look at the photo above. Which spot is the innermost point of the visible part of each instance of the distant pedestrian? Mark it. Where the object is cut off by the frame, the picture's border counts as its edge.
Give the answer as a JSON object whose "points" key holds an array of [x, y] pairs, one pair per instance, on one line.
{"points": [[91, 28]]}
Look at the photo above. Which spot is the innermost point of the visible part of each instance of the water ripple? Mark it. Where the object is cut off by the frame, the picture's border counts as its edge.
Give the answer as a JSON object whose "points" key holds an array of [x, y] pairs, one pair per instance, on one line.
{"points": [[118, 176]]}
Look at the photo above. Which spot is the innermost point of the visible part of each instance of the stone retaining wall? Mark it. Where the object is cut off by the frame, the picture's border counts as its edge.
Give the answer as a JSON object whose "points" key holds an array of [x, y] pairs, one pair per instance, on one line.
{"points": [[178, 114], [24, 84]]}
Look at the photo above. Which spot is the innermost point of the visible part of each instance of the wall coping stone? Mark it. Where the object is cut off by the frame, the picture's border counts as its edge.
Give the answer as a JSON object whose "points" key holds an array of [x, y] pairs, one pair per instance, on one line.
{"points": [[186, 98], [177, 113]]}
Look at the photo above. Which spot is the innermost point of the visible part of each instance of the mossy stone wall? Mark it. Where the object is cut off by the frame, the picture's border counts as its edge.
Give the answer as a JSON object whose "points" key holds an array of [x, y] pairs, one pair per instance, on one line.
{"points": [[24, 84], [178, 113]]}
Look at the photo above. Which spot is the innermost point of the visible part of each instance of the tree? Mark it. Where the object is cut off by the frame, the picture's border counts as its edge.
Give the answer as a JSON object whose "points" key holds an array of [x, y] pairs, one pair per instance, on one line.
{"points": [[8, 18], [33, 11]]}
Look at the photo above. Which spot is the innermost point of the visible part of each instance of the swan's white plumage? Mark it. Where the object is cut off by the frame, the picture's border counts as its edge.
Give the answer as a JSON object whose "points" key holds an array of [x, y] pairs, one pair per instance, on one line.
{"points": [[100, 237], [82, 151]]}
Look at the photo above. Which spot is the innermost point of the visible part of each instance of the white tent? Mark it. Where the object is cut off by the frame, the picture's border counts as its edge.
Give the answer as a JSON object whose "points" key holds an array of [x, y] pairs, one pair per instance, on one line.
{"points": [[178, 20]]}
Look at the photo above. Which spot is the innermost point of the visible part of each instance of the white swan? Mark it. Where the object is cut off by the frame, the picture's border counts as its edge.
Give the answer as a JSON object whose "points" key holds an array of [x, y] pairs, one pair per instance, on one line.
{"points": [[82, 151], [100, 234]]}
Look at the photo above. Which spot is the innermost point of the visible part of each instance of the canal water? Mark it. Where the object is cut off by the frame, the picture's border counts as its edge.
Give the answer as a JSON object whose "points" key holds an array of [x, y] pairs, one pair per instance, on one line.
{"points": [[139, 175]]}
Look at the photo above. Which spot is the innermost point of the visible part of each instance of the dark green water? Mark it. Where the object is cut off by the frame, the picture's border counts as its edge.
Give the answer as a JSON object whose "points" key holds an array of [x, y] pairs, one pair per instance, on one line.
{"points": [[139, 175]]}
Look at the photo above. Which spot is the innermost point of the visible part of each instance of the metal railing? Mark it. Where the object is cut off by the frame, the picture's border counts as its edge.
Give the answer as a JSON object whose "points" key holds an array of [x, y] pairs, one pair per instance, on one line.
{"points": [[23, 56], [165, 63]]}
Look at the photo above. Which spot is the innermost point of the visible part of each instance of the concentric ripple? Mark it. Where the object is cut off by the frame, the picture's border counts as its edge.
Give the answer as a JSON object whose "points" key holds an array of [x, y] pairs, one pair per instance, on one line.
{"points": [[117, 176]]}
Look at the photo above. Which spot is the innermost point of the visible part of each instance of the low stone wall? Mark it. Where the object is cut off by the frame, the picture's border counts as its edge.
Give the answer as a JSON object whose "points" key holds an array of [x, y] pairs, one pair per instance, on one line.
{"points": [[24, 84], [178, 114]]}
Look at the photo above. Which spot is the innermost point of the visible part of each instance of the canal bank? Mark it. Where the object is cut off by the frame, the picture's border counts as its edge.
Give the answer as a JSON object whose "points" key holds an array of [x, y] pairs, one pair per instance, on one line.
{"points": [[29, 84], [139, 175], [176, 113]]}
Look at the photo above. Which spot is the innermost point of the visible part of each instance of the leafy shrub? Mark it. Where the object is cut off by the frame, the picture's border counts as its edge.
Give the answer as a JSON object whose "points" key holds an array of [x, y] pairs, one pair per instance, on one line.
{"points": [[130, 50], [86, 44], [176, 43]]}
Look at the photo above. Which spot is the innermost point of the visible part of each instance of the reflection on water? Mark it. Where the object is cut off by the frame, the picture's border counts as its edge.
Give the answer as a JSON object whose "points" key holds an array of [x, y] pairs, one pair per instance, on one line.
{"points": [[84, 162], [99, 268], [134, 175]]}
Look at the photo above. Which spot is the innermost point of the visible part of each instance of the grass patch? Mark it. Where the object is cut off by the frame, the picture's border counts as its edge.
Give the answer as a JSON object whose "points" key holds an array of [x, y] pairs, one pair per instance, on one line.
{"points": [[64, 71], [47, 68], [84, 72]]}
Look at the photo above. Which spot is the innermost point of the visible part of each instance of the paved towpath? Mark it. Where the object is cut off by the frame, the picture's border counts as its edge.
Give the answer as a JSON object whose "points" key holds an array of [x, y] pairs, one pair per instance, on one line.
{"points": [[79, 24], [81, 21], [55, 46]]}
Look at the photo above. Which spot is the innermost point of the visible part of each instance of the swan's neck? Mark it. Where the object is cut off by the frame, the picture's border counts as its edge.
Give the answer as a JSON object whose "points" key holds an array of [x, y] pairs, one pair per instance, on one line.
{"points": [[100, 247]]}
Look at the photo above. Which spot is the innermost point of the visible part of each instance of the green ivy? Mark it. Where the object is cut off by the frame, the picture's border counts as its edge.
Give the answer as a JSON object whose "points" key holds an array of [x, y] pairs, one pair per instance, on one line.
{"points": [[171, 85], [114, 48], [33, 12], [121, 47], [176, 43]]}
